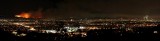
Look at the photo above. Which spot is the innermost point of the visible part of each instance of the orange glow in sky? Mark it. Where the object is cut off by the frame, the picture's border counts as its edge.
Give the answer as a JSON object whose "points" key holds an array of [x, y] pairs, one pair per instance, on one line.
{"points": [[24, 15]]}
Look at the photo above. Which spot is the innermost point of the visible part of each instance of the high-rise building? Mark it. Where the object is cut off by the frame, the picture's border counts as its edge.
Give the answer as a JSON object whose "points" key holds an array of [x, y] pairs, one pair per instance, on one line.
{"points": [[146, 18]]}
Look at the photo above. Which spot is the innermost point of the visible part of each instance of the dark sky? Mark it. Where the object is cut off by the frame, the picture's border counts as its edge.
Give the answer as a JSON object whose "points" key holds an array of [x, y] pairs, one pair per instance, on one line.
{"points": [[83, 8], [10, 8]]}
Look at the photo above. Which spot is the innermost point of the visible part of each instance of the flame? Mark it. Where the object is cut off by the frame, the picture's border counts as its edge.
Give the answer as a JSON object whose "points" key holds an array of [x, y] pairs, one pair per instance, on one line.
{"points": [[33, 14], [24, 15]]}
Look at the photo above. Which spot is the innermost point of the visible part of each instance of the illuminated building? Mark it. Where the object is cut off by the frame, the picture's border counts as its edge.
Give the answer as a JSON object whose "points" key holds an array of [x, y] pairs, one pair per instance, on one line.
{"points": [[51, 31], [71, 29], [146, 18]]}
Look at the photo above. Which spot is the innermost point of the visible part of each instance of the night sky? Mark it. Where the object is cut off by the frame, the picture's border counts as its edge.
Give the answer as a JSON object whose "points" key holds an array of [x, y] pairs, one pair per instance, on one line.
{"points": [[82, 8]]}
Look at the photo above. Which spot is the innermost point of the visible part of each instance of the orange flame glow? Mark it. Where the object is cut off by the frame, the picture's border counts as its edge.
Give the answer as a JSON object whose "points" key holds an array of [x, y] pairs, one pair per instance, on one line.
{"points": [[24, 15]]}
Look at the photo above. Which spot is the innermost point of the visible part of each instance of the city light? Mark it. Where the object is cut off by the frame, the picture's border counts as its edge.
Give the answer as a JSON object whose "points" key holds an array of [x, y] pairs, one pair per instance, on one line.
{"points": [[51, 31], [81, 27], [32, 29], [155, 32], [74, 28]]}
